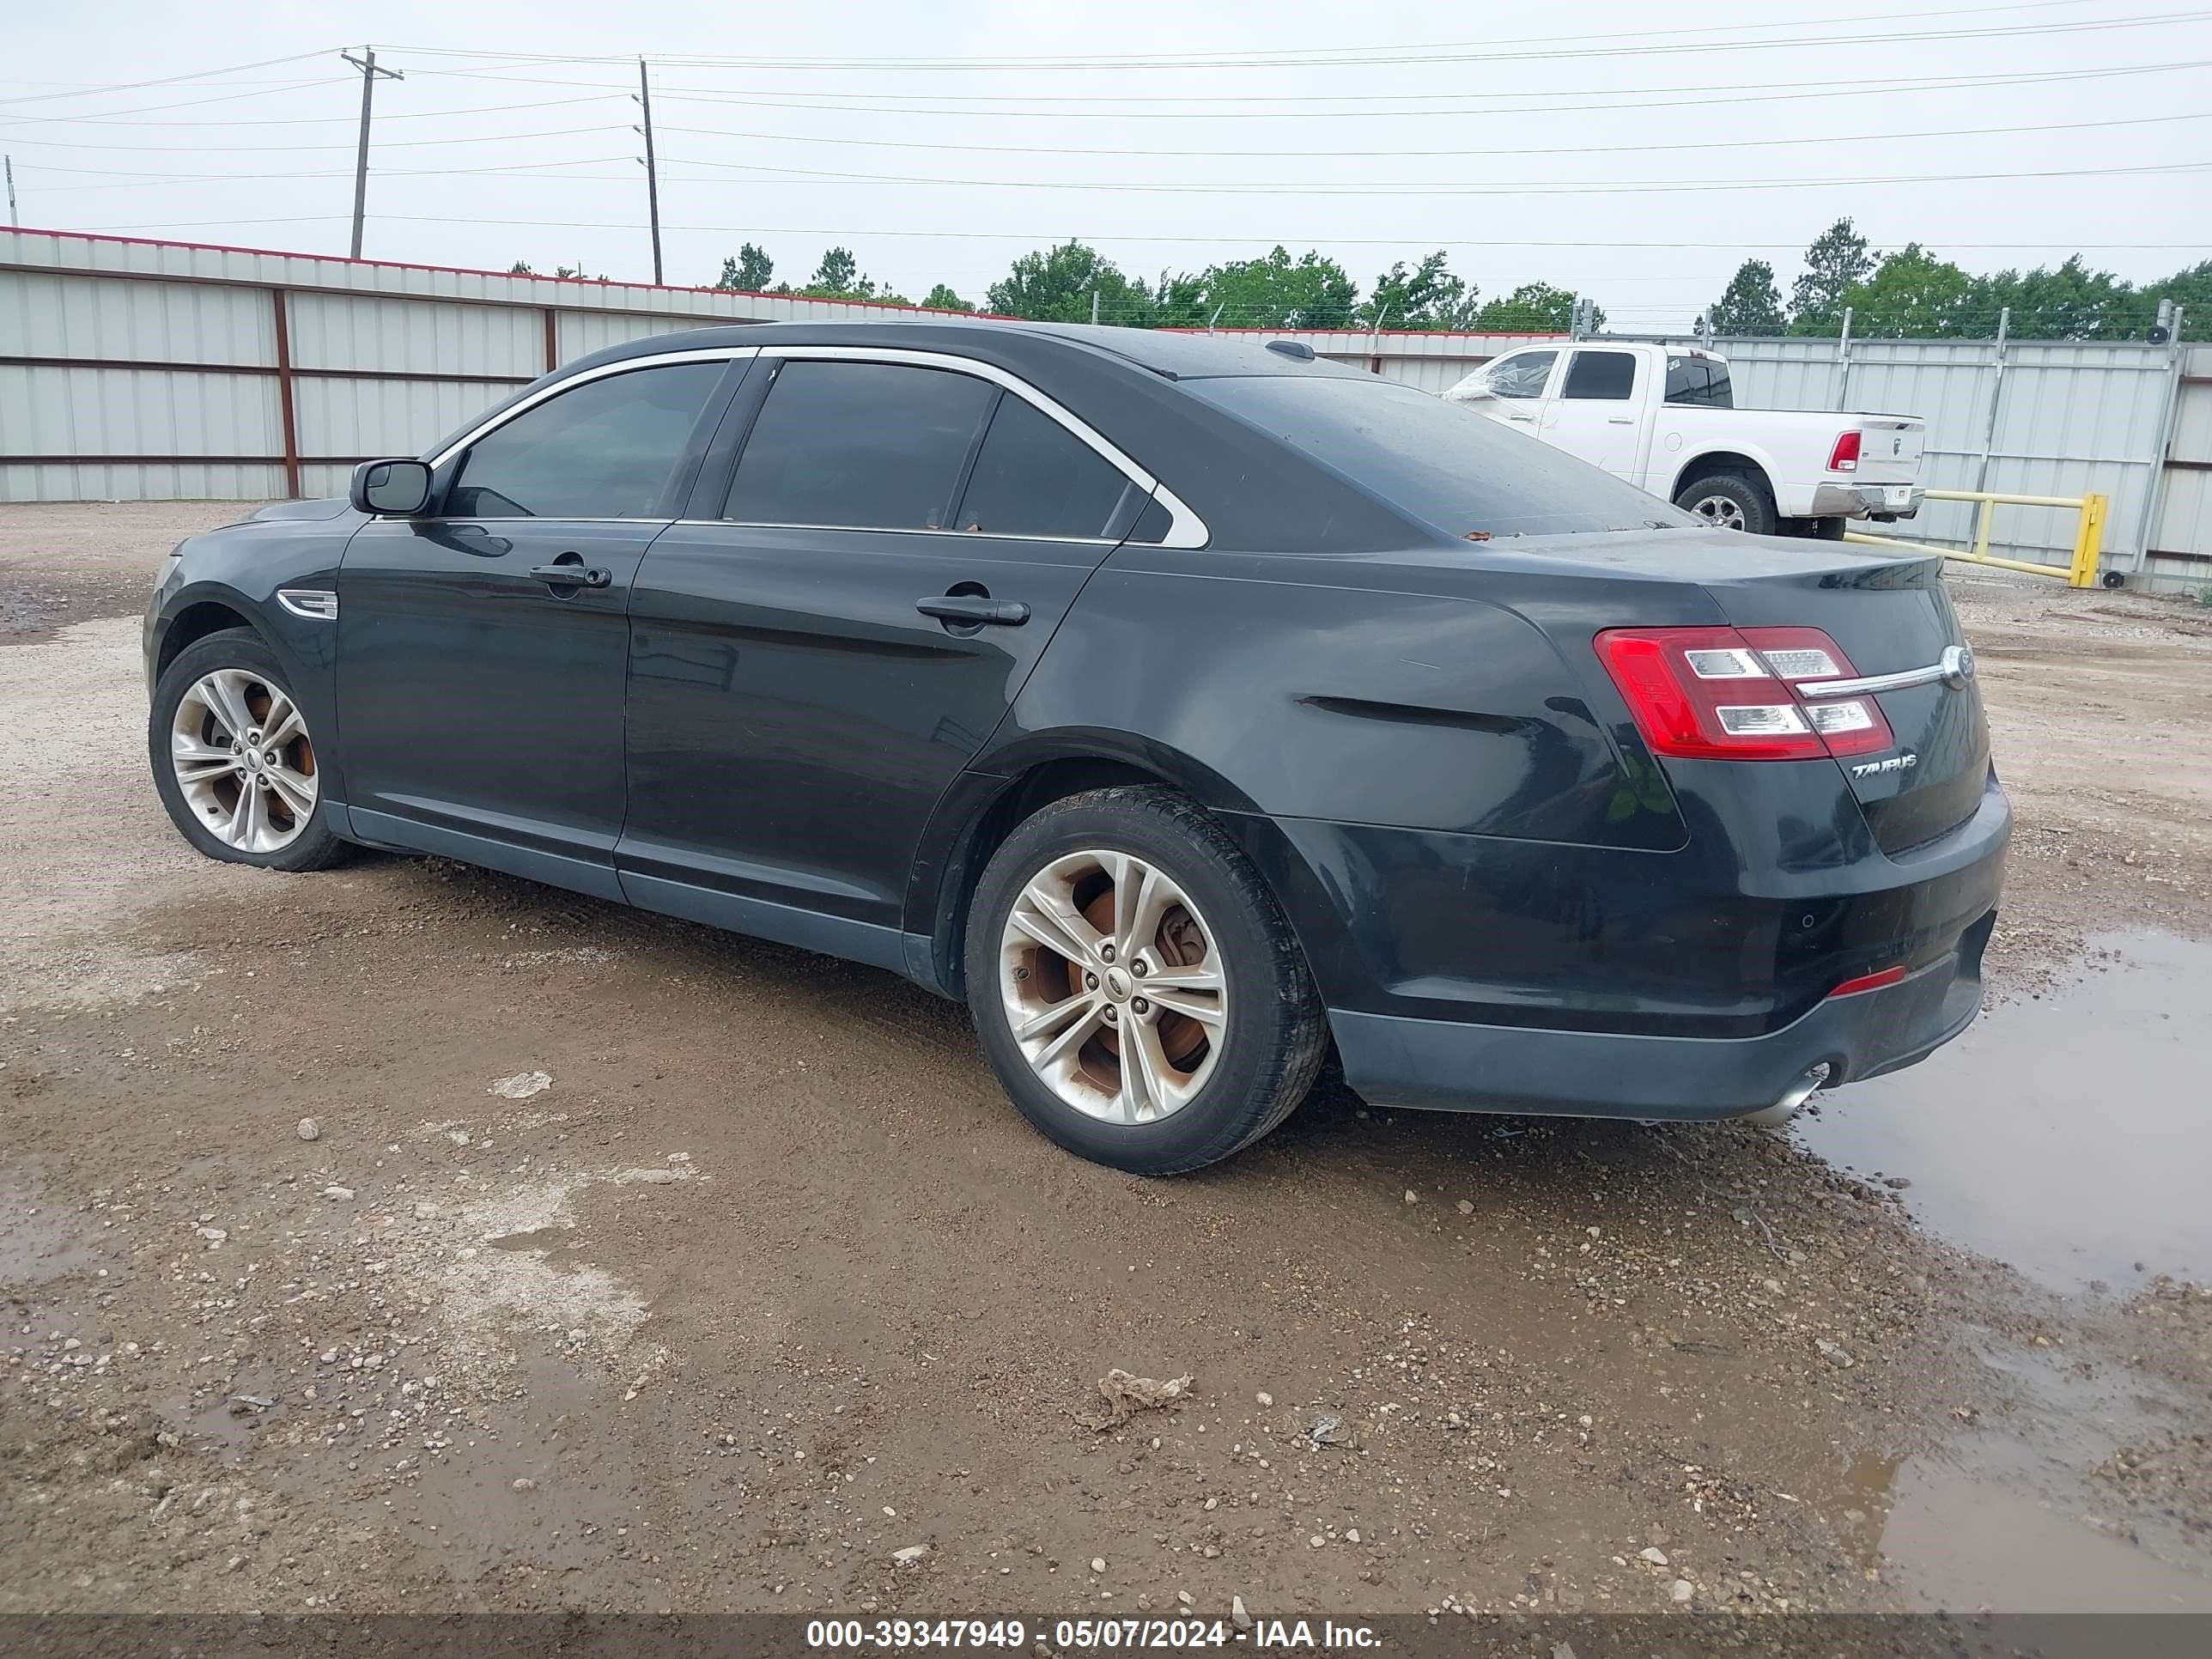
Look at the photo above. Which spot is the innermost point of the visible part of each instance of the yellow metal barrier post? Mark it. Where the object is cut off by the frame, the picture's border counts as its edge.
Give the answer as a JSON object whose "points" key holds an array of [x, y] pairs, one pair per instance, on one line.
{"points": [[2088, 540]]}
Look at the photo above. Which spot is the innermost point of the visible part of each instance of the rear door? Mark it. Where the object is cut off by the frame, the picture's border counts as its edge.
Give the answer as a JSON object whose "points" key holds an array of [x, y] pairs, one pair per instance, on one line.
{"points": [[1594, 413], [838, 628], [483, 648]]}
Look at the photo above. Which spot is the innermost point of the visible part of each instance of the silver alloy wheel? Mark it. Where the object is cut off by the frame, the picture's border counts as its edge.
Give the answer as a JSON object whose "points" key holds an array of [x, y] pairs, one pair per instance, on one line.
{"points": [[1104, 961], [1719, 512], [243, 759]]}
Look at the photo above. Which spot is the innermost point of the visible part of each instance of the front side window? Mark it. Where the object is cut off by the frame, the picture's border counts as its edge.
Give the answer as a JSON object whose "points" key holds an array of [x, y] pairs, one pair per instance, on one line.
{"points": [[1035, 478], [1523, 375], [1608, 376], [859, 445], [604, 450], [1701, 381]]}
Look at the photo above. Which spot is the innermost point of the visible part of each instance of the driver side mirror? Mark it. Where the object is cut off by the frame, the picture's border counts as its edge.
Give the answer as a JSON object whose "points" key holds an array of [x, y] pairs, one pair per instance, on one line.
{"points": [[397, 489], [1471, 389]]}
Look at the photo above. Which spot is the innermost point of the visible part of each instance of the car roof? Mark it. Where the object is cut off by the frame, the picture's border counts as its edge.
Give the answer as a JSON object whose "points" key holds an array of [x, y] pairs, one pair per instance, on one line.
{"points": [[1171, 355]]}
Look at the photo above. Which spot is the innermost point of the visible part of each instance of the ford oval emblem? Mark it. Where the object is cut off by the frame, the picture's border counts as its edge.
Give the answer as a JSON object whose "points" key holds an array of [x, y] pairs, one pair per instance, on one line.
{"points": [[1958, 667]]}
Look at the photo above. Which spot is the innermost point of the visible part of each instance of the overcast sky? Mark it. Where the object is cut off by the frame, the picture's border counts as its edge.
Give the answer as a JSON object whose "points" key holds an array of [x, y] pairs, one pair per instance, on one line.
{"points": [[1567, 120]]}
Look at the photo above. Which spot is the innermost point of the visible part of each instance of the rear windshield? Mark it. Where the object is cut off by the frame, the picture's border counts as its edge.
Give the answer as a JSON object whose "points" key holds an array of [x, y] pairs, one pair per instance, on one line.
{"points": [[1441, 463], [1699, 380]]}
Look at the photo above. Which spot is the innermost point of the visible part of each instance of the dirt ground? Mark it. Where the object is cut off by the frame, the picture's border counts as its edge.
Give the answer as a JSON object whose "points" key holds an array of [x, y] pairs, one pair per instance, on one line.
{"points": [[636, 1267]]}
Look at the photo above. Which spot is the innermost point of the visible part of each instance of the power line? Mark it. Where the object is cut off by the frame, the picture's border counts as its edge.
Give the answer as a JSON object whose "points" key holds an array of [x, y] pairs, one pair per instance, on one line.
{"points": [[759, 174], [1664, 97], [167, 79], [390, 143], [1546, 47], [1578, 149], [120, 119]]}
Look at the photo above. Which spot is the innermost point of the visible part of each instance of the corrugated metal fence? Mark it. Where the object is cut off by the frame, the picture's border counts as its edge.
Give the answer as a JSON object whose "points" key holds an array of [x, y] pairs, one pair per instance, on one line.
{"points": [[138, 370]]}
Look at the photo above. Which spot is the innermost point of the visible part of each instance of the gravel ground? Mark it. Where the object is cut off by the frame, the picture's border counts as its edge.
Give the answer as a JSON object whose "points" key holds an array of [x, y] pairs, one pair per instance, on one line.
{"points": [[625, 1265]]}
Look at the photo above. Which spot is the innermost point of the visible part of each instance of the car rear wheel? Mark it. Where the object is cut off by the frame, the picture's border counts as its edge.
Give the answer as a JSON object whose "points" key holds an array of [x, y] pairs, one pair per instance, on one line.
{"points": [[233, 761], [1135, 986], [1728, 501]]}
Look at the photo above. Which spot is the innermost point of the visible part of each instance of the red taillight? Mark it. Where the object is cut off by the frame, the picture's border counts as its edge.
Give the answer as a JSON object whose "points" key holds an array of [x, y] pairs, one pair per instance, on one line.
{"points": [[1851, 987], [1729, 694], [1844, 457]]}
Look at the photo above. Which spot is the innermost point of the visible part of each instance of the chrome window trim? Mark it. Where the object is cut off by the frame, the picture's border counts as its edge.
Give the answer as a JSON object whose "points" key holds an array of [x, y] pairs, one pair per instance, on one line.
{"points": [[628, 365], [1185, 530], [902, 529]]}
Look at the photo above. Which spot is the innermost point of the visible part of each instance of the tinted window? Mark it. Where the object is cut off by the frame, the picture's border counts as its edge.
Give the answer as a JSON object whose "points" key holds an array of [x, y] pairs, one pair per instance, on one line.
{"points": [[1699, 380], [1445, 463], [859, 445], [1035, 478], [1607, 374], [602, 451], [1523, 375]]}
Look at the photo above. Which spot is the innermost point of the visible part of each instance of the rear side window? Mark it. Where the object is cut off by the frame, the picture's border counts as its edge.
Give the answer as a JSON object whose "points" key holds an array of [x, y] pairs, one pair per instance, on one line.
{"points": [[859, 446], [1444, 463], [602, 451], [1035, 478], [1608, 376], [1699, 380], [1523, 375]]}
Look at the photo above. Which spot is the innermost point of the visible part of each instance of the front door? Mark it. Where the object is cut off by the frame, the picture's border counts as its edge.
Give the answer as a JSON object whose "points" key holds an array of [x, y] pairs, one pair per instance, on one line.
{"points": [[482, 648], [818, 653], [1593, 414]]}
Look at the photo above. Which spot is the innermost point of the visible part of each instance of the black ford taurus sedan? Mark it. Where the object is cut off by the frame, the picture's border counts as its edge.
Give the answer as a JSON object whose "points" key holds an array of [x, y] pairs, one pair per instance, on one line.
{"points": [[1186, 707]]}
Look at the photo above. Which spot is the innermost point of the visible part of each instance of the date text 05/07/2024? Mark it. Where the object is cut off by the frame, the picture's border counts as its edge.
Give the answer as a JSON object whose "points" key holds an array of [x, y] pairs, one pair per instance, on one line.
{"points": [[892, 1634]]}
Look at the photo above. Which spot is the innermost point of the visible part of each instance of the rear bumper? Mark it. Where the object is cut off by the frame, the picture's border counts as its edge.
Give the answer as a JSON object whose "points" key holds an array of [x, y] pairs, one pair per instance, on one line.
{"points": [[1480, 974], [1869, 501], [1442, 1064]]}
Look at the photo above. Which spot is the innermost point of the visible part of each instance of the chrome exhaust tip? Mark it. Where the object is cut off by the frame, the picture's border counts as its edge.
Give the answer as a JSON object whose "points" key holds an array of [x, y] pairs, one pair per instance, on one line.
{"points": [[1793, 1097]]}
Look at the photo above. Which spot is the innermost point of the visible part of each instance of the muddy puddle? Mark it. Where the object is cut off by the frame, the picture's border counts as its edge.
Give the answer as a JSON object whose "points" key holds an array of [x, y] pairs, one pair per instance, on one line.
{"points": [[2068, 1135]]}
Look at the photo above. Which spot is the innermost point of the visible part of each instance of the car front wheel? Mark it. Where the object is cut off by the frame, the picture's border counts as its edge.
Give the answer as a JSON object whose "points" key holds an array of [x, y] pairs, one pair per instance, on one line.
{"points": [[233, 761], [1136, 987]]}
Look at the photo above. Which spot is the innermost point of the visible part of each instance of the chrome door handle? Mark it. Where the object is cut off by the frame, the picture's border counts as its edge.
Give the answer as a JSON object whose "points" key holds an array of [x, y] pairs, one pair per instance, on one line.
{"points": [[569, 576], [975, 610]]}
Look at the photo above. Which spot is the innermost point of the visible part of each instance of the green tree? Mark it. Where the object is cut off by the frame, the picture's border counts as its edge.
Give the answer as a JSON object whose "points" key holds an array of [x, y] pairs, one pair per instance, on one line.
{"points": [[1533, 308], [2071, 303], [521, 268], [1429, 296], [839, 277], [749, 273], [1271, 292], [1751, 304], [1912, 294], [1055, 286], [2191, 289], [942, 298], [1837, 259]]}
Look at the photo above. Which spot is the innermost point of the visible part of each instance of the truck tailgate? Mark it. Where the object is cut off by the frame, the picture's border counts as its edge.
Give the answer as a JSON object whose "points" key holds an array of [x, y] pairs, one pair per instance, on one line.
{"points": [[1889, 448]]}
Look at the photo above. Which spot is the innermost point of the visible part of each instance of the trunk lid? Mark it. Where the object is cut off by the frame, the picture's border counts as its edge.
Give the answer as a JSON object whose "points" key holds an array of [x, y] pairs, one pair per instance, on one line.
{"points": [[1889, 616]]}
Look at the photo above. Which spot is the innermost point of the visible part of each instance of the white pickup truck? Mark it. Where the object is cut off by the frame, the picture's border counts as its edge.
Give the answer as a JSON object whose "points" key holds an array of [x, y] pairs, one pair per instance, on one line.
{"points": [[1663, 417]]}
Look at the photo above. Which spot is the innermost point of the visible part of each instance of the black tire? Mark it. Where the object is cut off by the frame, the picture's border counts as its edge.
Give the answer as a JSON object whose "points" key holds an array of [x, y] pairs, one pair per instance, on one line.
{"points": [[1275, 1034], [317, 846], [1753, 506]]}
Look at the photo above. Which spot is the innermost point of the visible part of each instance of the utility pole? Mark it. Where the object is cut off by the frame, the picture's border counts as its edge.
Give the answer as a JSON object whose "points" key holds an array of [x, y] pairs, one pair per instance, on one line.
{"points": [[369, 73], [652, 175], [12, 219]]}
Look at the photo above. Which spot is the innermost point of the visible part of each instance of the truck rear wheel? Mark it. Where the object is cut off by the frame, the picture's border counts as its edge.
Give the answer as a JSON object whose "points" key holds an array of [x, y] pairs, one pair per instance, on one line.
{"points": [[1728, 501]]}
